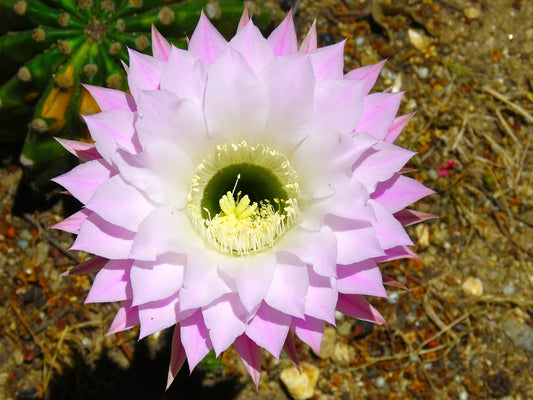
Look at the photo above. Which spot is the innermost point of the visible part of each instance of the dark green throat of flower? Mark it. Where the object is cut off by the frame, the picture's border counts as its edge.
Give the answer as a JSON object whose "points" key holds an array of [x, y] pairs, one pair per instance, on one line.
{"points": [[245, 179], [244, 198]]}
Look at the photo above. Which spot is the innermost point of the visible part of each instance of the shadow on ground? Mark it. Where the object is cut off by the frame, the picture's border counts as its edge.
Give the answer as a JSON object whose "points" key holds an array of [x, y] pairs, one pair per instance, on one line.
{"points": [[145, 379]]}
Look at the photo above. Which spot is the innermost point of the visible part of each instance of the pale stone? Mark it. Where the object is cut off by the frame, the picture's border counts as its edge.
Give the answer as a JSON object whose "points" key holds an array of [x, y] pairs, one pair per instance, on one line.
{"points": [[418, 39], [343, 354], [300, 386], [472, 12], [473, 286]]}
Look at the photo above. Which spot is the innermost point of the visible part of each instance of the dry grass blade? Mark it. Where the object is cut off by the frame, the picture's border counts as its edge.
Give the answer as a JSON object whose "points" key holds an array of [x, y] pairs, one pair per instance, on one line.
{"points": [[527, 116]]}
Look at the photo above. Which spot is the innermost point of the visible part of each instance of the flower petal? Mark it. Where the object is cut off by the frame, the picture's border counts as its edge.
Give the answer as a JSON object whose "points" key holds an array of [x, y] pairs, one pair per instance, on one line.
{"points": [[368, 73], [269, 328], [310, 331], [165, 230], [206, 42], [289, 85], [338, 105], [111, 130], [84, 151], [180, 123], [73, 223], [379, 164], [321, 297], [225, 318], [157, 280], [397, 126], [252, 276], [94, 264], [184, 75], [360, 278], [177, 356], [99, 237], [389, 231], [195, 338], [155, 172], [309, 43], [290, 350], [357, 307], [410, 217], [111, 282], [398, 192], [356, 240], [318, 249], [378, 113], [158, 315], [111, 99], [328, 62], [250, 355], [83, 180], [253, 46], [283, 38], [126, 318], [120, 203], [396, 253], [160, 46], [289, 286], [144, 72], [202, 284], [235, 104]]}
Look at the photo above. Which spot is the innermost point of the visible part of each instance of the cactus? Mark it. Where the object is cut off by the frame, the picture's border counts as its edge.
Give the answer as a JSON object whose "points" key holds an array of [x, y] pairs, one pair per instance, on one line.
{"points": [[70, 42]]}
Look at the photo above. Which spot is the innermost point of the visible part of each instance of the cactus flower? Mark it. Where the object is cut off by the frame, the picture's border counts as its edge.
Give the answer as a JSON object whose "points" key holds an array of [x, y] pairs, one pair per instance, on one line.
{"points": [[243, 192]]}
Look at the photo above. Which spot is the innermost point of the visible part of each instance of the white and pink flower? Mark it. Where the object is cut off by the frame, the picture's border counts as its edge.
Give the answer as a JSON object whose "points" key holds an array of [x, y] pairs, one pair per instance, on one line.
{"points": [[244, 191]]}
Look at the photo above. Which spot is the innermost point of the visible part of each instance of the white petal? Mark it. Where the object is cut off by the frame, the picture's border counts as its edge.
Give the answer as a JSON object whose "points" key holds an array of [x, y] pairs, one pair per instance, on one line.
{"points": [[165, 230], [289, 286], [157, 280], [225, 318], [235, 103], [321, 297], [202, 283], [184, 75], [253, 46], [289, 84], [252, 276], [120, 203]]}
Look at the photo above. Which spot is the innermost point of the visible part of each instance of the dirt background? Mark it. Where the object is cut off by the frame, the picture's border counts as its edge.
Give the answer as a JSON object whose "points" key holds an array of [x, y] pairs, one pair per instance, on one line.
{"points": [[462, 330]]}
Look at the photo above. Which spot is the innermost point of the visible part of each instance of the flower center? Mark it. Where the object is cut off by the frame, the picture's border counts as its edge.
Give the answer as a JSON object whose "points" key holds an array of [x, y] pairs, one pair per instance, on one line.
{"points": [[243, 198]]}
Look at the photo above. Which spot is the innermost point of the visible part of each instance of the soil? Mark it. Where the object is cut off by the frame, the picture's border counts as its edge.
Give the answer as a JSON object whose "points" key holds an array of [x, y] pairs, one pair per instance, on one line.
{"points": [[462, 329]]}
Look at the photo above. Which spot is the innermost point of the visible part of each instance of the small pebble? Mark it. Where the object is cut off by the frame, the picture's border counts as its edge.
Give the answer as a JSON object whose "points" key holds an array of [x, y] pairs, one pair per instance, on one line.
{"points": [[463, 396], [344, 328], [509, 290], [472, 12], [300, 386], [22, 244], [422, 232], [380, 382], [25, 234], [422, 72], [327, 347], [520, 334], [359, 41], [473, 286], [343, 354], [419, 40], [18, 357], [393, 298]]}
